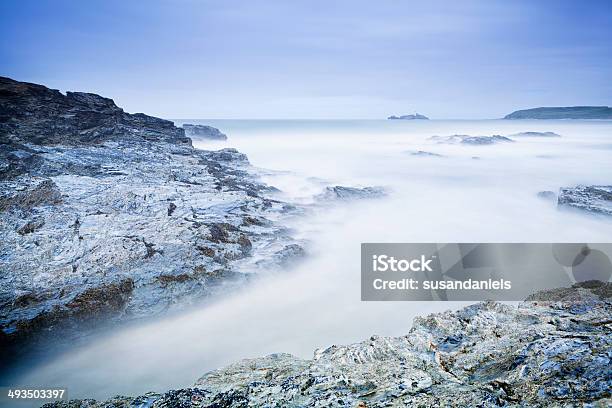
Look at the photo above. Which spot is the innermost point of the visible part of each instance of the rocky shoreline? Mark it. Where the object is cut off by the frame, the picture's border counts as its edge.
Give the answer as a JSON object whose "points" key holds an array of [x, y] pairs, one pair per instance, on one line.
{"points": [[552, 350], [108, 216]]}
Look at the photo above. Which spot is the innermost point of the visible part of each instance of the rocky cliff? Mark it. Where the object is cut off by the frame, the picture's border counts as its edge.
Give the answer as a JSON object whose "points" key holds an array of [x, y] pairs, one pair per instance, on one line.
{"points": [[552, 350], [110, 216]]}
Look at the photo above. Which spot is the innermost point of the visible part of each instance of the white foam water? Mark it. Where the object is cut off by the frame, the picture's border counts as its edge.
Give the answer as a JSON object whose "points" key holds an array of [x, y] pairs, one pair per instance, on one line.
{"points": [[471, 194]]}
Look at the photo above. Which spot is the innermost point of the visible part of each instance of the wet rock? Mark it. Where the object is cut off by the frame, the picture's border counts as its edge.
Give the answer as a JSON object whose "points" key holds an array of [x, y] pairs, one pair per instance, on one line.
{"points": [[592, 199], [37, 194], [471, 140], [286, 256], [203, 132], [351, 193], [552, 350], [120, 198]]}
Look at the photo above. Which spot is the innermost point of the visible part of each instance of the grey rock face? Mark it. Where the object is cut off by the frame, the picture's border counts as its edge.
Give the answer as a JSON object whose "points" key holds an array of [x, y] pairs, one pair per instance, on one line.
{"points": [[563, 112], [416, 116], [38, 115], [535, 134], [471, 140], [113, 216], [593, 199], [351, 193], [553, 350], [203, 132]]}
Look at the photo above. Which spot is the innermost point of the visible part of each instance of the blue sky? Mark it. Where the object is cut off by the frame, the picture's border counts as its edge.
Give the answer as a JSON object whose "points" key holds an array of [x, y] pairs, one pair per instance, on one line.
{"points": [[315, 59]]}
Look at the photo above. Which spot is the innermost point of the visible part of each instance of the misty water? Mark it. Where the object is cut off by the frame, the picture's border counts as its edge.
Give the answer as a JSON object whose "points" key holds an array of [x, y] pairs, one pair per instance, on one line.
{"points": [[472, 194]]}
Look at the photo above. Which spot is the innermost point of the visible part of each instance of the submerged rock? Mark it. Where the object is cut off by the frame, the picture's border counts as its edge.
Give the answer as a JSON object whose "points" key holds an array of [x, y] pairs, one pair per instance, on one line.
{"points": [[553, 350], [593, 199], [107, 215], [535, 134], [547, 195], [416, 116], [422, 153], [351, 193], [470, 140], [203, 132]]}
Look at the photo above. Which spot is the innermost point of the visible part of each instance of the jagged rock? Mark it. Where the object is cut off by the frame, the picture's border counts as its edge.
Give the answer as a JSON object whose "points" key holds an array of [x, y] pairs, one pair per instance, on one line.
{"points": [[422, 153], [470, 140], [535, 134], [203, 132], [101, 211], [553, 350], [416, 116], [593, 199], [35, 114], [351, 193]]}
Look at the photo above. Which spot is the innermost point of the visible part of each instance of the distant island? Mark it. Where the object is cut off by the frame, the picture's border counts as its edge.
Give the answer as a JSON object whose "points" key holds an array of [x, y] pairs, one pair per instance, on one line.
{"points": [[563, 112], [409, 117]]}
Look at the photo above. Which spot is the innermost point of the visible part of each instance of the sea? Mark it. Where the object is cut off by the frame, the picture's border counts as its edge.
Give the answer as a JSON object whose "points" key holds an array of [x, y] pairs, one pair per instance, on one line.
{"points": [[463, 193]]}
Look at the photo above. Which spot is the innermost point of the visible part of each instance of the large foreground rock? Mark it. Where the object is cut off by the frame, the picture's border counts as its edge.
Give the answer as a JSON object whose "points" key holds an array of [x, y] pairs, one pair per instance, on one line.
{"points": [[553, 350], [107, 216]]}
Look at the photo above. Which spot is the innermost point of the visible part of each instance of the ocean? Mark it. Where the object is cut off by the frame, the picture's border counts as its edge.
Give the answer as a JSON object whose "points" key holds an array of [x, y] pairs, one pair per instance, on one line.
{"points": [[484, 193]]}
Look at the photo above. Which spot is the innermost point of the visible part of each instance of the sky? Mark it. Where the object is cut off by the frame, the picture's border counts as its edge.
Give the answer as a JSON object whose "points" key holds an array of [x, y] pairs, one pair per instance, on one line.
{"points": [[315, 59]]}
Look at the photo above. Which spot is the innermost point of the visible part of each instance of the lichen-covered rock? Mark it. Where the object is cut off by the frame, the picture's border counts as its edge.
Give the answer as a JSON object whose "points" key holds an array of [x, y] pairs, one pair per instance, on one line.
{"points": [[553, 350], [593, 199], [107, 215]]}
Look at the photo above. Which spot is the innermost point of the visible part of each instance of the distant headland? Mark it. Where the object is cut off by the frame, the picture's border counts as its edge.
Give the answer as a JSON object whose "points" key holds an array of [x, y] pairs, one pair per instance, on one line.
{"points": [[409, 117], [563, 112]]}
